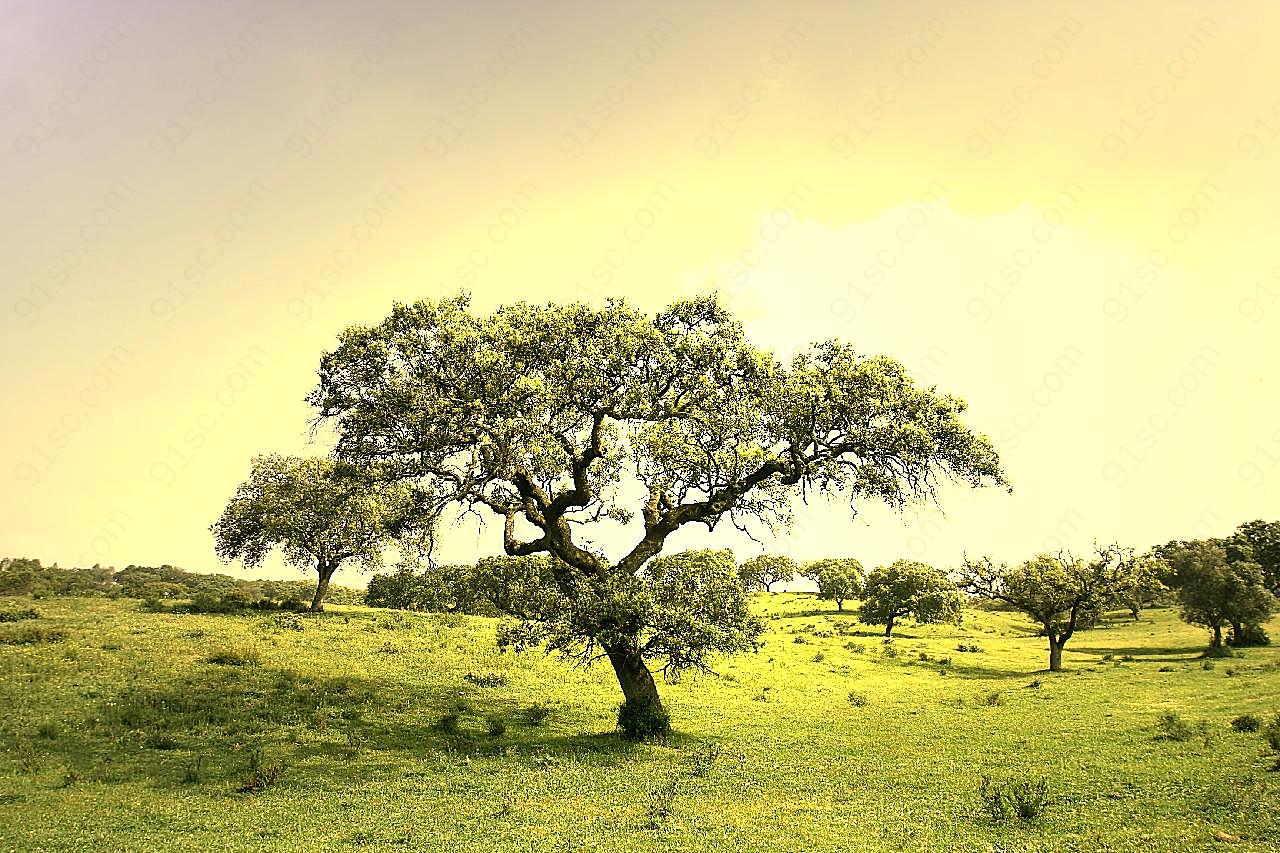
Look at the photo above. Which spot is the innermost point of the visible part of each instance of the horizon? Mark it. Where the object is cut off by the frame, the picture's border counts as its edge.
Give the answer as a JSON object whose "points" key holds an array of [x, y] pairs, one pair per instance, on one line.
{"points": [[1057, 214]]}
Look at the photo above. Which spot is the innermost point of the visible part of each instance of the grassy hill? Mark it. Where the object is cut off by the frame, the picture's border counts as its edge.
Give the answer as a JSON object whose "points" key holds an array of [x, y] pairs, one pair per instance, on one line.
{"points": [[133, 730]]}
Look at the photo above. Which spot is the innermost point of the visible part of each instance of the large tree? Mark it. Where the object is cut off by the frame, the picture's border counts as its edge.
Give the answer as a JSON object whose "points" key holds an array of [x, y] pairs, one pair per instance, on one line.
{"points": [[1062, 593], [907, 588], [838, 579], [1215, 592], [764, 570], [1257, 542], [549, 417], [319, 513]]}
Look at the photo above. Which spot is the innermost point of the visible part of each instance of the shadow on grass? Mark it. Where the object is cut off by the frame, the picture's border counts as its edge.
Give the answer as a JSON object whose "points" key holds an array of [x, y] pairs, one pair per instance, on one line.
{"points": [[217, 724], [1155, 654]]}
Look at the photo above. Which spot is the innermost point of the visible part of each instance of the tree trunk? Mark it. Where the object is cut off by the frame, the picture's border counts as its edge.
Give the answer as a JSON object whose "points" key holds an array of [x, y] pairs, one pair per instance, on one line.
{"points": [[1216, 642], [1237, 633], [633, 673], [1055, 654], [888, 628], [325, 572], [840, 604]]}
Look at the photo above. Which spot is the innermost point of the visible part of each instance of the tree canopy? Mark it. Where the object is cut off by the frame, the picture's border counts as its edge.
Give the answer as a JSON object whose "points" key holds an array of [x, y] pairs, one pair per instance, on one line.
{"points": [[318, 513], [549, 417], [907, 588], [1062, 593], [838, 579], [764, 570], [1217, 593]]}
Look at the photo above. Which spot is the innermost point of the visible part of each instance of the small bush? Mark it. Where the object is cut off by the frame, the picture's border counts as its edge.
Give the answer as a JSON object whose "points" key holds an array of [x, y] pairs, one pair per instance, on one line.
{"points": [[1024, 800], [924, 656], [261, 778], [191, 775], [450, 725], [289, 622], [1246, 723], [702, 761], [968, 647], [537, 713], [1035, 684], [661, 803], [993, 698], [1271, 734], [1172, 727], [641, 719], [486, 679], [1166, 668], [819, 657], [30, 635], [497, 727], [858, 700], [800, 640], [47, 730], [856, 648], [890, 652], [234, 656], [1208, 664], [19, 615], [1250, 635]]}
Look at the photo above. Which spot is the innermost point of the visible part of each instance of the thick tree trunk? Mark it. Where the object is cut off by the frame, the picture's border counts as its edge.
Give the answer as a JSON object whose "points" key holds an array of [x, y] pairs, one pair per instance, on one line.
{"points": [[325, 572], [1055, 655], [633, 673], [840, 604], [1216, 642], [888, 628], [1237, 633]]}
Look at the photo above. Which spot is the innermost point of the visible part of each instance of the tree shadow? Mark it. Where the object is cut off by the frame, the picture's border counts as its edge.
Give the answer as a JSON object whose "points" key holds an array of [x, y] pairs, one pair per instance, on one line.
{"points": [[218, 723], [1158, 654]]}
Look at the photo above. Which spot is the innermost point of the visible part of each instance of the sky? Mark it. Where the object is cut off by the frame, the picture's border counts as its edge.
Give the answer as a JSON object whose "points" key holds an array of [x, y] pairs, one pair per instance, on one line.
{"points": [[1064, 213]]}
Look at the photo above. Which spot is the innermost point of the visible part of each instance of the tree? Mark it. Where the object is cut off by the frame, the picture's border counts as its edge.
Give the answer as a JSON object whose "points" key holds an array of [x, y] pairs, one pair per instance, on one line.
{"points": [[1063, 594], [1141, 586], [559, 419], [1217, 593], [1257, 542], [838, 579], [907, 588], [318, 513], [763, 571]]}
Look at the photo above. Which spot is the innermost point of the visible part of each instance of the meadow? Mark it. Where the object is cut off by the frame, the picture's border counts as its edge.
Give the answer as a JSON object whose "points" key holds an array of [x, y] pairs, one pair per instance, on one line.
{"points": [[381, 730]]}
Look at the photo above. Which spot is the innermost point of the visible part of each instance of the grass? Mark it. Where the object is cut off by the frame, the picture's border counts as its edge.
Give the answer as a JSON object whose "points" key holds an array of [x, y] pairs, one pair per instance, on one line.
{"points": [[123, 735]]}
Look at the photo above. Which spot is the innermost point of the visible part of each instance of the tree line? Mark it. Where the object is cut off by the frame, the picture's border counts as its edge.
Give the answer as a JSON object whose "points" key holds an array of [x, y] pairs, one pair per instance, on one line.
{"points": [[28, 576]]}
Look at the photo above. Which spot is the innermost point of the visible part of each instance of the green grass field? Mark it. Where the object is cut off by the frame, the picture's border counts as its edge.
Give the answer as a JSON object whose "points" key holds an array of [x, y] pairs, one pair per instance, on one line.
{"points": [[122, 733]]}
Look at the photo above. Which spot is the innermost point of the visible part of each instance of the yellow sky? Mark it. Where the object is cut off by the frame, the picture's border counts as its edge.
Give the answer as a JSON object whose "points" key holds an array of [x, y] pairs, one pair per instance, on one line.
{"points": [[1064, 213]]}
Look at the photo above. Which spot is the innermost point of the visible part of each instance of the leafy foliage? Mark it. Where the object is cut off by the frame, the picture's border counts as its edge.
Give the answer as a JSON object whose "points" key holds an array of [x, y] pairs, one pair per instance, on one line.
{"points": [[838, 580], [764, 570], [1217, 593], [907, 588], [548, 417], [318, 513], [1061, 593]]}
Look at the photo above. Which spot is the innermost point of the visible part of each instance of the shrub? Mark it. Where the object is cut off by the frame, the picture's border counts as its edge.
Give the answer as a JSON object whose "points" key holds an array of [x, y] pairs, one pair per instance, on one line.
{"points": [[537, 713], [497, 726], [993, 698], [30, 635], [819, 657], [1166, 668], [261, 778], [450, 725], [486, 679], [1250, 635], [890, 652], [858, 700], [1024, 800], [702, 761], [641, 719], [856, 648], [1271, 734], [1208, 664], [1246, 723], [47, 730], [1172, 727], [191, 775], [661, 803], [19, 615], [968, 647], [230, 656]]}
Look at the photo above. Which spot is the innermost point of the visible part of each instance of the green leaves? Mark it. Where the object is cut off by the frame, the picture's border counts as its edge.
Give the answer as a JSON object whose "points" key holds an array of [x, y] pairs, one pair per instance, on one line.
{"points": [[909, 588]]}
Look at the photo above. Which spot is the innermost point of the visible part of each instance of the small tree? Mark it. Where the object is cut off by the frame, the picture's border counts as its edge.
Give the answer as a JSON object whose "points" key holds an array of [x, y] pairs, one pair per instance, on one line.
{"points": [[318, 513], [1063, 594], [1141, 587], [838, 579], [907, 588], [764, 571], [1217, 593]]}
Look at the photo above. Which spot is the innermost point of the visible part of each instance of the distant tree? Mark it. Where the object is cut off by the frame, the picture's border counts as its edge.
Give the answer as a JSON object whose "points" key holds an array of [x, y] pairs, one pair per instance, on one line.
{"points": [[763, 571], [317, 513], [1257, 542], [1217, 593], [1063, 594], [838, 580], [1142, 587], [907, 588], [557, 418]]}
